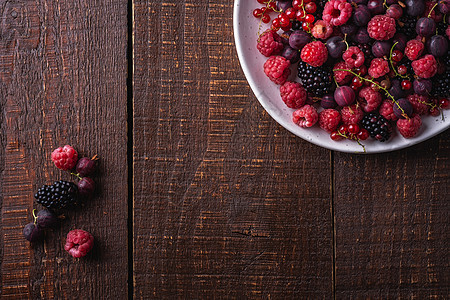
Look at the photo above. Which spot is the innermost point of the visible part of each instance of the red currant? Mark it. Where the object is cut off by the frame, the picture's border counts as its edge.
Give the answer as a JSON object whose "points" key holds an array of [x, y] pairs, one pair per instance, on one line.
{"points": [[300, 15], [284, 21], [434, 111], [309, 18], [406, 84], [263, 1], [443, 103], [276, 23], [335, 136], [402, 70], [363, 134], [353, 128], [311, 7], [297, 4], [307, 26], [397, 55], [272, 6], [361, 70], [357, 82], [257, 13], [265, 18], [343, 129], [290, 13]]}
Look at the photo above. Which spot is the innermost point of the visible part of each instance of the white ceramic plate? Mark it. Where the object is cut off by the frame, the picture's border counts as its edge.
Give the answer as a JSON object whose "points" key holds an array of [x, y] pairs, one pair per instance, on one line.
{"points": [[245, 34]]}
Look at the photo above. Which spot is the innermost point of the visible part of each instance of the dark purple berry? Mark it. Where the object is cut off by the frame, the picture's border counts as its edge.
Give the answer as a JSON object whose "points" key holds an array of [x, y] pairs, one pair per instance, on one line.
{"points": [[32, 233], [444, 6], [46, 219], [361, 15], [362, 36], [437, 45], [394, 11], [290, 54], [349, 28], [284, 5], [425, 27], [396, 89], [298, 39], [403, 108], [328, 101], [335, 46], [422, 86], [86, 187], [401, 41], [86, 166], [415, 7], [344, 96], [375, 7], [381, 48]]}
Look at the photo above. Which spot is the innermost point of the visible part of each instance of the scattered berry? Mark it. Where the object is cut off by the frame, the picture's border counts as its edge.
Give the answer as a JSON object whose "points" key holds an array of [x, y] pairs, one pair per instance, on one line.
{"points": [[46, 219], [337, 12], [419, 103], [329, 119], [381, 27], [377, 126], [33, 233], [369, 99], [79, 243], [86, 166], [269, 43], [352, 114], [321, 30], [354, 57], [59, 195], [425, 67], [86, 187], [378, 67], [387, 110], [65, 158], [277, 69], [315, 80], [414, 49]]}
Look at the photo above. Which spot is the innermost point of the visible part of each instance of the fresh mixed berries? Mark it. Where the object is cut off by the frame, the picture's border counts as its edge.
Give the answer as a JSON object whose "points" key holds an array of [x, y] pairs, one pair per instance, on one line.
{"points": [[66, 194], [364, 67]]}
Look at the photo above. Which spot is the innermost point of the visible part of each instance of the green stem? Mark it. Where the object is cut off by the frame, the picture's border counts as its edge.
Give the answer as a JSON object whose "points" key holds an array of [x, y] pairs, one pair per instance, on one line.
{"points": [[77, 175], [431, 10], [392, 64], [35, 217]]}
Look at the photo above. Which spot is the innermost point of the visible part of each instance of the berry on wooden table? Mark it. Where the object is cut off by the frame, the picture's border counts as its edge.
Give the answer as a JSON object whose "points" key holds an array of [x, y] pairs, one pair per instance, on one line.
{"points": [[65, 158], [79, 243]]}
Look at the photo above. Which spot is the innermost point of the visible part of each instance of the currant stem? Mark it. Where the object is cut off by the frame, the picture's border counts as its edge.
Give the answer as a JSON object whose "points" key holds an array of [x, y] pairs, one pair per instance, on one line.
{"points": [[392, 64], [77, 175], [35, 217], [431, 10]]}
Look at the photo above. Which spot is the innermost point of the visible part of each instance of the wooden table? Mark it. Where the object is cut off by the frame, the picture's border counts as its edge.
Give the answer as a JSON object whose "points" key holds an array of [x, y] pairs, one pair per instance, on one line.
{"points": [[201, 194]]}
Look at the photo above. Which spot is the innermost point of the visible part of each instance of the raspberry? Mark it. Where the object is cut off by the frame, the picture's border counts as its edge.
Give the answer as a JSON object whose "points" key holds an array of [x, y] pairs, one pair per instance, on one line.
{"points": [[314, 54], [387, 110], [409, 127], [414, 49], [293, 94], [342, 77], [369, 99], [269, 43], [329, 119], [381, 27], [306, 116], [425, 67], [65, 158], [337, 12], [352, 114], [378, 67], [322, 30], [354, 57], [277, 69], [419, 103], [79, 243]]}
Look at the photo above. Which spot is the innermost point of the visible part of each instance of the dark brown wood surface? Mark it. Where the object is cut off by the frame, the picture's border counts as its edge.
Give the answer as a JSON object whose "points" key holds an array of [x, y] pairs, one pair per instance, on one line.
{"points": [[204, 196], [63, 81]]}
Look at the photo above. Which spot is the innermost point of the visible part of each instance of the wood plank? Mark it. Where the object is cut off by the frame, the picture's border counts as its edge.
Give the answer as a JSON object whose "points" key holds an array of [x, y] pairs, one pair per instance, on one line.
{"points": [[392, 223], [63, 81], [227, 204]]}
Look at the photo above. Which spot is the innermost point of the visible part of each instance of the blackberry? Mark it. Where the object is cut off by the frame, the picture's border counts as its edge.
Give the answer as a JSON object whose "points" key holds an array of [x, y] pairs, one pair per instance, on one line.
{"points": [[315, 80], [441, 27], [441, 85], [296, 25], [61, 194], [367, 50], [407, 25], [320, 6], [378, 127]]}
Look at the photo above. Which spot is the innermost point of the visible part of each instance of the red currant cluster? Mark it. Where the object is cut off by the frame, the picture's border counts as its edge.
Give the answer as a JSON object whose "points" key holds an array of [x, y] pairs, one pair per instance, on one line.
{"points": [[300, 13]]}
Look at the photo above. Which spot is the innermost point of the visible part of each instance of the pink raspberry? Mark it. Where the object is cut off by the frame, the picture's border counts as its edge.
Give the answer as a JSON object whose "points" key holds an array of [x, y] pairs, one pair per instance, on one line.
{"points": [[352, 114], [426, 67], [65, 158], [79, 243], [322, 30], [306, 116], [369, 99], [414, 49], [337, 12], [314, 53], [293, 94], [354, 57], [269, 43], [342, 77], [329, 119], [419, 103], [378, 67], [387, 110], [409, 127], [381, 27], [277, 69]]}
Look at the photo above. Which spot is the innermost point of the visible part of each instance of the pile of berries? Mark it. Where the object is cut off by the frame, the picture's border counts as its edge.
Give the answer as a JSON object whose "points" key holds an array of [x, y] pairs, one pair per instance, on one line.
{"points": [[364, 67], [62, 195]]}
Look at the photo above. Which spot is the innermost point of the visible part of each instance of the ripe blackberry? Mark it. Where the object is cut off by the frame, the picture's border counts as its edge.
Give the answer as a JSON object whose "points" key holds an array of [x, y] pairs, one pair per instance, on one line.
{"points": [[441, 27], [315, 80], [441, 85], [407, 25], [61, 194], [378, 127], [367, 50]]}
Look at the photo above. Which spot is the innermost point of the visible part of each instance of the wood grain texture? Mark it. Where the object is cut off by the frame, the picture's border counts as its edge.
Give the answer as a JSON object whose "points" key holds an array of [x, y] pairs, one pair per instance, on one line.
{"points": [[227, 204], [63, 81], [392, 223]]}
